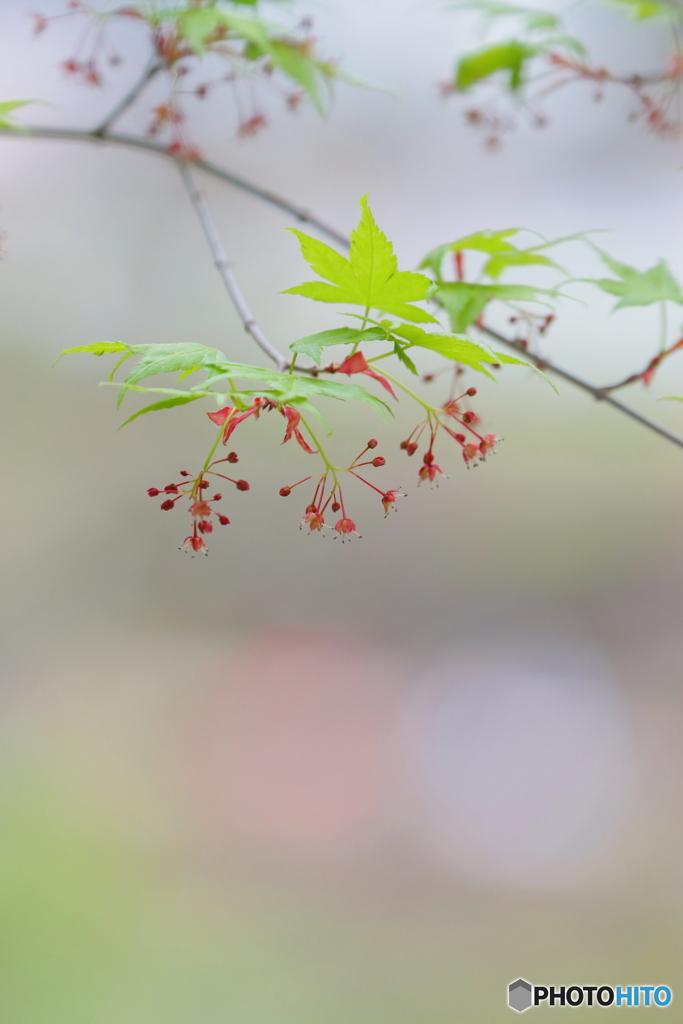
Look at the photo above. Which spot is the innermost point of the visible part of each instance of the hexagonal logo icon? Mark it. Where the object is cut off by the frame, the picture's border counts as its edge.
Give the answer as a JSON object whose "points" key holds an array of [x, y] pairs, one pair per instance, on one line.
{"points": [[519, 995]]}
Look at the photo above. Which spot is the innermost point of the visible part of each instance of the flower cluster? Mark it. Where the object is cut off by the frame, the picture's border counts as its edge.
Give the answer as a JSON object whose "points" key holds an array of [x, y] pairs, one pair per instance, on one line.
{"points": [[474, 446], [176, 54], [328, 494], [327, 500], [94, 49], [656, 97], [201, 510]]}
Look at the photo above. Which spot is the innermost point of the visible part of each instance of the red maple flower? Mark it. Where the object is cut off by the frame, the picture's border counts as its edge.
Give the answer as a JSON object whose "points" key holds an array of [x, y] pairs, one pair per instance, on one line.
{"points": [[227, 415], [488, 444], [194, 544], [252, 126], [357, 363], [201, 506], [430, 472], [314, 520], [345, 527], [201, 509], [389, 497], [293, 419]]}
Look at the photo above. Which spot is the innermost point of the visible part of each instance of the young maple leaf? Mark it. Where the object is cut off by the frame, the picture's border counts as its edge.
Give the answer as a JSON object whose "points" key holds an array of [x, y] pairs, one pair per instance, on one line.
{"points": [[369, 278], [639, 288]]}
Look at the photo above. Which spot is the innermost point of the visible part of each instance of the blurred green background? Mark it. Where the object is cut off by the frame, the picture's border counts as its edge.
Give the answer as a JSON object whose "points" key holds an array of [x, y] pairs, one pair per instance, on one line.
{"points": [[300, 781]]}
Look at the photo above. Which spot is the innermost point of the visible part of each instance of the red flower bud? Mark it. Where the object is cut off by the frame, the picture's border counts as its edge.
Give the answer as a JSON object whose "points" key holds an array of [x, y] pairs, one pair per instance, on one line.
{"points": [[152, 491], [167, 505], [403, 445], [171, 489], [285, 491], [232, 457], [183, 472], [204, 484], [373, 442], [223, 520], [217, 497], [428, 458], [379, 461], [311, 508], [335, 506], [242, 485], [471, 392], [468, 416], [411, 448]]}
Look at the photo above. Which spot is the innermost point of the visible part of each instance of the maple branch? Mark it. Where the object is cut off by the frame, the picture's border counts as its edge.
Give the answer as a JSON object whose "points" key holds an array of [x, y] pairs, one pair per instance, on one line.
{"points": [[137, 142], [153, 67], [600, 394], [644, 375], [301, 214], [224, 267]]}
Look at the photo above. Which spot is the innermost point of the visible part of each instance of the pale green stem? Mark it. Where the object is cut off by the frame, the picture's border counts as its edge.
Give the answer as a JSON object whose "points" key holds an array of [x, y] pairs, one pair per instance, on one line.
{"points": [[215, 444], [366, 314], [429, 408], [211, 454], [664, 328], [332, 469]]}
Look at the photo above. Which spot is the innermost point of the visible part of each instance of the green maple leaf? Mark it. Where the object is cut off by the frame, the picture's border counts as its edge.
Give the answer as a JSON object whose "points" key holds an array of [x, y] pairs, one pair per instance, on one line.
{"points": [[167, 403], [186, 358], [639, 288], [6, 110], [462, 349], [532, 18], [642, 10], [519, 258], [97, 348], [313, 344], [465, 302], [263, 39], [511, 57], [483, 241], [369, 278]]}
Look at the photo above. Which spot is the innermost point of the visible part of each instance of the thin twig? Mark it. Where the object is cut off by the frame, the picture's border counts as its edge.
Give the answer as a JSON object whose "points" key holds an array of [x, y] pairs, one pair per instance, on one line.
{"points": [[224, 267], [301, 214], [644, 375], [598, 393], [153, 67]]}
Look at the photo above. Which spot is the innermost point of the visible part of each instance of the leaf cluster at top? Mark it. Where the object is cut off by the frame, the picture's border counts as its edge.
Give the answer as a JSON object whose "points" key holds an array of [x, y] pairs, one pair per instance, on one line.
{"points": [[465, 301], [538, 31], [204, 23]]}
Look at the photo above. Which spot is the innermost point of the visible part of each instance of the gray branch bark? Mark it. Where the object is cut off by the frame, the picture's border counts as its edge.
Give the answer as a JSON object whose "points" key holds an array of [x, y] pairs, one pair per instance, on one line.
{"points": [[224, 267]]}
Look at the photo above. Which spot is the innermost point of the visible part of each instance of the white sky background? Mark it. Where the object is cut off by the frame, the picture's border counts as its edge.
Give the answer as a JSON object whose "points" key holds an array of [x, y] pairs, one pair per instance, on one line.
{"points": [[112, 243]]}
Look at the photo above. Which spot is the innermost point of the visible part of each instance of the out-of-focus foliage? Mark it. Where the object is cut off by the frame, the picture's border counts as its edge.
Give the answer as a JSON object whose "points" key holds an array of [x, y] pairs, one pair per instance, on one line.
{"points": [[533, 53]]}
